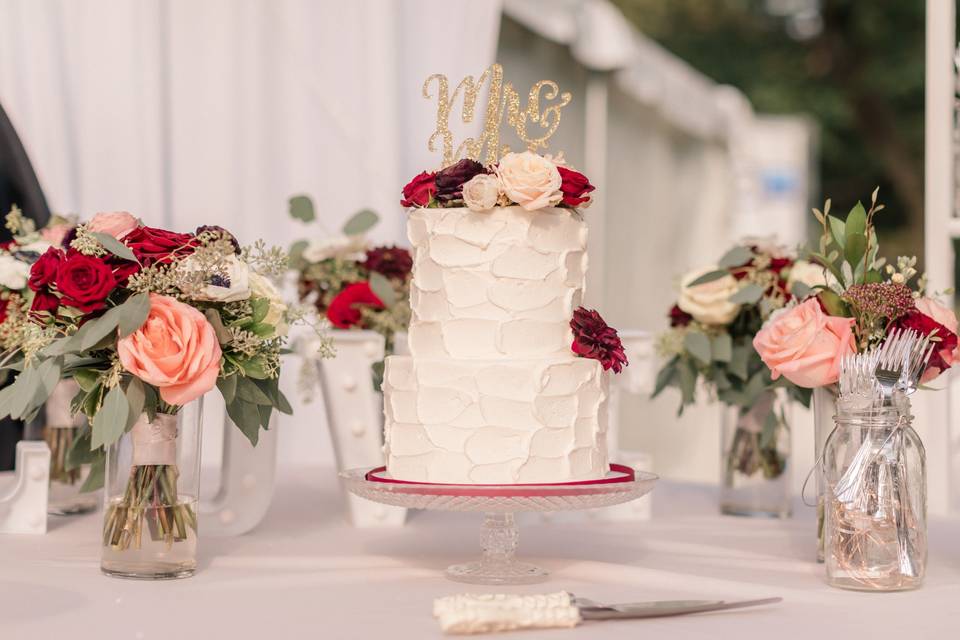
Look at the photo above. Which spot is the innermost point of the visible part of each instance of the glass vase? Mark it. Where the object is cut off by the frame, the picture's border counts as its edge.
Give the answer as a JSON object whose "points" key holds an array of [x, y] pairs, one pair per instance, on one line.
{"points": [[60, 429], [824, 410], [876, 502], [150, 498], [756, 454]]}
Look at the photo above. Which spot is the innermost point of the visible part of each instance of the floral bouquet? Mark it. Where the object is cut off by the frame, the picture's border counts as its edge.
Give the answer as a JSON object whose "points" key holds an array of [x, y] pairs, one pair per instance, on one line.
{"points": [[355, 285], [720, 310], [858, 302], [26, 245], [147, 320]]}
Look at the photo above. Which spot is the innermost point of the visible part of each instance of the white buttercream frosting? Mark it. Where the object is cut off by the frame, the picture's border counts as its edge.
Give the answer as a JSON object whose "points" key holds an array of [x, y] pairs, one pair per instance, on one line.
{"points": [[497, 284], [495, 421]]}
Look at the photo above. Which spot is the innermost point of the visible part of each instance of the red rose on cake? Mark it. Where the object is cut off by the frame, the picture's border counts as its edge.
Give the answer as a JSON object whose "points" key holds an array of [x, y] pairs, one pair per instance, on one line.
{"points": [[593, 338], [420, 190], [575, 187]]}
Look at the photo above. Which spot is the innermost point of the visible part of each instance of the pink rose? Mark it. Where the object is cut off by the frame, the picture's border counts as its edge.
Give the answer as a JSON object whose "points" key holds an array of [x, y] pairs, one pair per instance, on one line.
{"points": [[530, 180], [117, 224], [176, 350], [805, 345], [56, 233]]}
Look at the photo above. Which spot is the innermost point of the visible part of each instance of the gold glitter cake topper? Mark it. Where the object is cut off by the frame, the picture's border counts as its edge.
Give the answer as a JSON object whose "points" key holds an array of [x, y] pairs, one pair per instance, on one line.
{"points": [[502, 99]]}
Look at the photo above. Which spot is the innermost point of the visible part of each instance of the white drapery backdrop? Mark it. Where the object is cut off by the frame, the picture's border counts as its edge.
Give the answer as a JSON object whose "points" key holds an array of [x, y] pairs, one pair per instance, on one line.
{"points": [[215, 112]]}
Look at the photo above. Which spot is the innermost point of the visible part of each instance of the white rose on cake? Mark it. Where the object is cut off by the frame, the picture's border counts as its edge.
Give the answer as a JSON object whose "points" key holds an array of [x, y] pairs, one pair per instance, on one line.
{"points": [[530, 180], [13, 272], [709, 302], [481, 192]]}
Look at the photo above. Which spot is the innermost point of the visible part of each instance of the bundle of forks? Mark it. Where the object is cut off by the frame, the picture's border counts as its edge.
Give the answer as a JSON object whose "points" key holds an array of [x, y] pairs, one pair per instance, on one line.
{"points": [[876, 384]]}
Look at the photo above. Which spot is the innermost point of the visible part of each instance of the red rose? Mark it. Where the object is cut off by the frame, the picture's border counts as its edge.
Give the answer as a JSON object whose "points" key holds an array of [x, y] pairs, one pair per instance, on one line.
{"points": [[679, 317], [4, 303], [44, 302], [343, 312], [152, 245], [419, 191], [593, 338], [574, 186], [942, 357], [84, 282], [44, 270]]}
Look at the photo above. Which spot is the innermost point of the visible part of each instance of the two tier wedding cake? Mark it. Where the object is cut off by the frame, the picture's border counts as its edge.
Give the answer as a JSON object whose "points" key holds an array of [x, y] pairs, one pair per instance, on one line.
{"points": [[505, 382]]}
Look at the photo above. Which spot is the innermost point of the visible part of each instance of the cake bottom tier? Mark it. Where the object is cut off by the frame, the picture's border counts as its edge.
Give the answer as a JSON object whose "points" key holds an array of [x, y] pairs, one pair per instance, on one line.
{"points": [[495, 421]]}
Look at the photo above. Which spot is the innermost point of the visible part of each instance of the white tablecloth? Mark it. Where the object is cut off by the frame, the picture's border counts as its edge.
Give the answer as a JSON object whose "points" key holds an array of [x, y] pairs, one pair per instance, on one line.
{"points": [[304, 573]]}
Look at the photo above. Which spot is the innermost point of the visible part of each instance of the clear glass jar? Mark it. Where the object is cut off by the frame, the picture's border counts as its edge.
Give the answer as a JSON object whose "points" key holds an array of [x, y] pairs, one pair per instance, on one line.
{"points": [[824, 411], [60, 428], [756, 453], [874, 470], [151, 492]]}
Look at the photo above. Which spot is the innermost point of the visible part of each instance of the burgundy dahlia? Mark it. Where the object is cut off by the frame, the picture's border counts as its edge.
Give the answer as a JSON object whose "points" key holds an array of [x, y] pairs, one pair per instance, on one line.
{"points": [[392, 262], [593, 338], [450, 181]]}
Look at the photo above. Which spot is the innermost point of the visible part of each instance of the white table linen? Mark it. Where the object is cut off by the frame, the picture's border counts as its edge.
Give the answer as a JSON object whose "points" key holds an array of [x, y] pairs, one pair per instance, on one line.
{"points": [[305, 573]]}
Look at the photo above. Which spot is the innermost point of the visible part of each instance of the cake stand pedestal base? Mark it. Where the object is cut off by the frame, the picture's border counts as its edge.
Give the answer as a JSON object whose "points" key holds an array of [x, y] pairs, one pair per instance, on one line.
{"points": [[498, 564], [498, 503]]}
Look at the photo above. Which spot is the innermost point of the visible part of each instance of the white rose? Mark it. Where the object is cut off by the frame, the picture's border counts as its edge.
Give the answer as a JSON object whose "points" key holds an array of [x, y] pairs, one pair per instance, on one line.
{"points": [[346, 247], [809, 273], [13, 273], [481, 192], [709, 302], [530, 180], [232, 286], [38, 247], [276, 315]]}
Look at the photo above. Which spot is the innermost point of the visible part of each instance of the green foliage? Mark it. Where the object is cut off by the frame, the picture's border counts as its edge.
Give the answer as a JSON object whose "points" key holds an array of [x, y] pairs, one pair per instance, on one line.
{"points": [[360, 222], [301, 208], [860, 80]]}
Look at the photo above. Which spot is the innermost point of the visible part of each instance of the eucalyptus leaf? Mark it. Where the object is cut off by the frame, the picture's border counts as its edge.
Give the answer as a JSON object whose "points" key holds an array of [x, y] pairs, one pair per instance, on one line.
{"points": [[95, 477], [721, 347], [111, 421], [247, 418], [360, 222], [114, 246], [136, 397], [228, 388], [213, 317], [708, 277], [133, 313], [666, 377], [260, 306], [86, 378], [739, 358], [301, 208], [383, 289], [736, 257], [295, 254], [22, 391], [800, 290], [750, 294], [79, 452], [271, 388], [856, 224], [688, 383], [96, 330], [698, 345], [265, 412], [250, 392]]}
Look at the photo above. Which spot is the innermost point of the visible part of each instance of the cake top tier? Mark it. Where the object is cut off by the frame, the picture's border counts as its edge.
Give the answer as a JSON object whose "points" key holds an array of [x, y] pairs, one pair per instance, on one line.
{"points": [[500, 284]]}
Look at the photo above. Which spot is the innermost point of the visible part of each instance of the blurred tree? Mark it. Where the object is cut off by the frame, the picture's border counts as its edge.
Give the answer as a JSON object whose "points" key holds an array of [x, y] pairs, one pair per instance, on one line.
{"points": [[856, 67]]}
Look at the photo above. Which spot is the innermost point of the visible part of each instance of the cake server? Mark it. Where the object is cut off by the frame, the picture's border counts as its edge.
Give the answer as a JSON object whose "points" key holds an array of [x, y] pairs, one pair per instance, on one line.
{"points": [[488, 613]]}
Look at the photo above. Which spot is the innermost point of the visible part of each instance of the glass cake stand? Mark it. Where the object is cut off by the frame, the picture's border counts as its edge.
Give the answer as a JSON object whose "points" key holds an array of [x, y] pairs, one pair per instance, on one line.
{"points": [[499, 535]]}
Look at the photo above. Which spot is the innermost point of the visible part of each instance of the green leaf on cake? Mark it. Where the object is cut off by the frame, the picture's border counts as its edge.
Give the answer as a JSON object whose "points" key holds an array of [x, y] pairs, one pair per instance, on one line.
{"points": [[301, 208], [360, 222]]}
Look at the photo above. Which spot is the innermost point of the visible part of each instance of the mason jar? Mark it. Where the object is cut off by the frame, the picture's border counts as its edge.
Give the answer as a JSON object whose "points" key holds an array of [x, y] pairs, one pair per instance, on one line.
{"points": [[874, 470]]}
